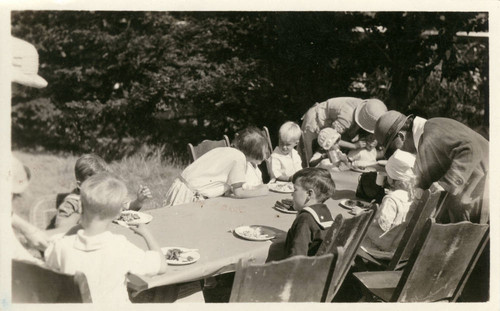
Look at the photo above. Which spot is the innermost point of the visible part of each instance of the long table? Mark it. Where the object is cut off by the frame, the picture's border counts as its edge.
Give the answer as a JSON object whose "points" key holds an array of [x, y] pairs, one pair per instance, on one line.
{"points": [[208, 226]]}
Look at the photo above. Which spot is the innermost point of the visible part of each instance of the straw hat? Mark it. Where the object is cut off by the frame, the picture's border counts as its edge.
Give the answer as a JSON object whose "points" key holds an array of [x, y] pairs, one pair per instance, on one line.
{"points": [[25, 64], [328, 137], [388, 125], [367, 114], [400, 166], [20, 176]]}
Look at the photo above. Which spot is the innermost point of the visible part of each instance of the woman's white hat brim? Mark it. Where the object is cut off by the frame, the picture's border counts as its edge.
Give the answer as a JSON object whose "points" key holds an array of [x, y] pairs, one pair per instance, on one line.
{"points": [[29, 80], [356, 117]]}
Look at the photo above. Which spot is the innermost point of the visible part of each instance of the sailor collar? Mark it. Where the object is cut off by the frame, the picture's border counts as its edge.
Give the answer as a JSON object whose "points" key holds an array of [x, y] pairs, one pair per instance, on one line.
{"points": [[321, 215]]}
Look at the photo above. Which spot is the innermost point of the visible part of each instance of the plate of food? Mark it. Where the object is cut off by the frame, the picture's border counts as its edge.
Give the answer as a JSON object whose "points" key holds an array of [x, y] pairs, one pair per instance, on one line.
{"points": [[285, 206], [133, 218], [281, 187], [178, 256], [352, 203], [255, 233], [363, 169]]}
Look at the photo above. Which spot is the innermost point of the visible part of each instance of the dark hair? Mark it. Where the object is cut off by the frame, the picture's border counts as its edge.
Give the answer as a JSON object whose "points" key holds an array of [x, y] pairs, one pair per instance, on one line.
{"points": [[89, 165], [252, 142], [317, 179]]}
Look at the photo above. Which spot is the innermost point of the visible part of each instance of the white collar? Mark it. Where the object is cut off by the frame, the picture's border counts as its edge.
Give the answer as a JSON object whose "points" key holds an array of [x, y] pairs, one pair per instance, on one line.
{"points": [[418, 129], [324, 224], [91, 243]]}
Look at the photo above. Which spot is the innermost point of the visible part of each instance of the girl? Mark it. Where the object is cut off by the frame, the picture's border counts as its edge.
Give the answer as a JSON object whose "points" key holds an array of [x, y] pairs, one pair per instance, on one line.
{"points": [[389, 224], [221, 171]]}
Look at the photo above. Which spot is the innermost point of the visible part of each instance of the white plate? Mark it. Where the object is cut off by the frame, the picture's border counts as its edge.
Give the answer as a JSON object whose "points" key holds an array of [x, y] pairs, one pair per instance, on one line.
{"points": [[284, 210], [143, 218], [364, 169], [185, 253], [281, 187], [343, 203], [382, 162], [255, 233]]}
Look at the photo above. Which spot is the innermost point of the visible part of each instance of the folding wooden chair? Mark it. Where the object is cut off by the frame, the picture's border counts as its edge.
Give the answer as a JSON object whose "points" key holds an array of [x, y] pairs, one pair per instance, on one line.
{"points": [[438, 266], [205, 146], [296, 279], [43, 213], [268, 137], [426, 207], [344, 236], [34, 284], [304, 154]]}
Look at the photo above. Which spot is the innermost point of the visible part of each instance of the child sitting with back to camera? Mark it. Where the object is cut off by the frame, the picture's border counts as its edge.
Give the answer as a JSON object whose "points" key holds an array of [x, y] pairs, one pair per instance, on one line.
{"points": [[390, 221], [222, 171], [313, 186], [105, 258], [69, 211], [285, 160]]}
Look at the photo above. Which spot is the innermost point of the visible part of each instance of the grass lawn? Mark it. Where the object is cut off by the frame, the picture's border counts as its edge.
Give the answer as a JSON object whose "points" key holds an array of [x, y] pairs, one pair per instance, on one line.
{"points": [[52, 174]]}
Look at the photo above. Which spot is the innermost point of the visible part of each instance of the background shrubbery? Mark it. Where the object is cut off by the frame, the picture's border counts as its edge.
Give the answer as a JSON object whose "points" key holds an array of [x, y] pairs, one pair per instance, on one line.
{"points": [[122, 80]]}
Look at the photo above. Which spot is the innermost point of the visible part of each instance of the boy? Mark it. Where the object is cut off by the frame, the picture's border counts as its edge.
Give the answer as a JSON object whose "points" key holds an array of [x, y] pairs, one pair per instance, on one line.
{"points": [[105, 258], [313, 186], [68, 213], [285, 160]]}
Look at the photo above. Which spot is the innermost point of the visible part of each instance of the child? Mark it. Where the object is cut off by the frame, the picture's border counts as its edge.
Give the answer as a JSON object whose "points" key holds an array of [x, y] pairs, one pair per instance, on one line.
{"points": [[253, 177], [328, 144], [285, 160], [69, 211], [221, 171], [105, 258], [313, 186], [365, 156], [385, 232]]}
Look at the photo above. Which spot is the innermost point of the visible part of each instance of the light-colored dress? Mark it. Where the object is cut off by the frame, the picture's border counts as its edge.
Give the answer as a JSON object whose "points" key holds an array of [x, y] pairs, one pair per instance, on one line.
{"points": [[211, 175], [253, 177], [386, 230], [284, 164]]}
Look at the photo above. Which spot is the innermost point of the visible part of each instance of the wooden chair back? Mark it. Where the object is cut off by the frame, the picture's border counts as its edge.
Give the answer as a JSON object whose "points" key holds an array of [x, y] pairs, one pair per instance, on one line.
{"points": [[43, 213], [205, 146], [265, 130], [296, 279], [426, 207], [440, 259], [34, 284], [348, 235], [484, 217]]}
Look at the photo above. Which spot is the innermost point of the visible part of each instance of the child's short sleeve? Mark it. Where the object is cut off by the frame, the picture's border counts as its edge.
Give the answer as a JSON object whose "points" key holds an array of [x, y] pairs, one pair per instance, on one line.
{"points": [[141, 262]]}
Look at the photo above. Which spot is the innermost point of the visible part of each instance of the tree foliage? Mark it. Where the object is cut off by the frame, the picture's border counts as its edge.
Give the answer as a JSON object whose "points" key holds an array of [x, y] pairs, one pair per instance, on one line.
{"points": [[121, 79]]}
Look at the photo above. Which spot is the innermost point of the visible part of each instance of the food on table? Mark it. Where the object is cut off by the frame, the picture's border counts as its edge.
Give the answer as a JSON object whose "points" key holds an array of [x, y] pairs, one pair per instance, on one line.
{"points": [[176, 254], [254, 233], [354, 203], [128, 217], [281, 186], [285, 204]]}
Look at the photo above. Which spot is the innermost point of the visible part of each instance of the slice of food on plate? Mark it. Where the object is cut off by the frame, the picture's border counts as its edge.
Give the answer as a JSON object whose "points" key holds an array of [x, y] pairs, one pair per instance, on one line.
{"points": [[352, 203]]}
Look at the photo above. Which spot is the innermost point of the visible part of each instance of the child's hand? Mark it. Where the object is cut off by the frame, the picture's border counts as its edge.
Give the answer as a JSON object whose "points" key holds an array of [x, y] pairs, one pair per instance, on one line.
{"points": [[140, 229], [143, 193], [360, 144]]}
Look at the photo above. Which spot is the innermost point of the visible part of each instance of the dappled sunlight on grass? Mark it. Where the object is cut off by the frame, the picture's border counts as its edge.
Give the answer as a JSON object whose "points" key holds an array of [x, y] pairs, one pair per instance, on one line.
{"points": [[52, 174]]}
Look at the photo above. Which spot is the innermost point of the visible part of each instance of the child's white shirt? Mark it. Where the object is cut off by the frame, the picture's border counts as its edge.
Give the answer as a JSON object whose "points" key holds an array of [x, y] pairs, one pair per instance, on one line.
{"points": [[253, 177], [105, 259], [284, 164], [393, 209], [213, 173], [363, 154]]}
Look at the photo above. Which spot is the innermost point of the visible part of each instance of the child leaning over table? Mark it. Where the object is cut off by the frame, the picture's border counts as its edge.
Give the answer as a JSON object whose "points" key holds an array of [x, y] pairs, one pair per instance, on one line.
{"points": [[105, 258], [313, 186], [222, 171], [69, 211], [388, 226], [285, 160]]}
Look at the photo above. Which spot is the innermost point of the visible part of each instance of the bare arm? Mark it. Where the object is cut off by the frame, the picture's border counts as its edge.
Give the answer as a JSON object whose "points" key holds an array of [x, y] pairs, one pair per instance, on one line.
{"points": [[36, 237], [153, 245]]}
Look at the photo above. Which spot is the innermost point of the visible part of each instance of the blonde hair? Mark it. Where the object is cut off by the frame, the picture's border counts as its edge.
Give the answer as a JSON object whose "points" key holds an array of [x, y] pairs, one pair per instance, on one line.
{"points": [[88, 165], [102, 195], [290, 131]]}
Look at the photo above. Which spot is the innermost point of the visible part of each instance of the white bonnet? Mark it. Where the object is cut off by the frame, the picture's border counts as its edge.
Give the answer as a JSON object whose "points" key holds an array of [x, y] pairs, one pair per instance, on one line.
{"points": [[328, 137], [400, 166]]}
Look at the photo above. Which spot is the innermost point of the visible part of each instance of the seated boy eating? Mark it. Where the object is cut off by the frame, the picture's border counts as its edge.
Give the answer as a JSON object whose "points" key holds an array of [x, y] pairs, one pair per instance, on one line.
{"points": [[313, 186], [69, 211], [105, 258]]}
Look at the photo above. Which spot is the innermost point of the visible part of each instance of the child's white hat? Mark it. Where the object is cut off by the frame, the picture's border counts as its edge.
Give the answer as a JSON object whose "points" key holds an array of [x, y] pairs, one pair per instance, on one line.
{"points": [[25, 64], [400, 165], [20, 176], [328, 137]]}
